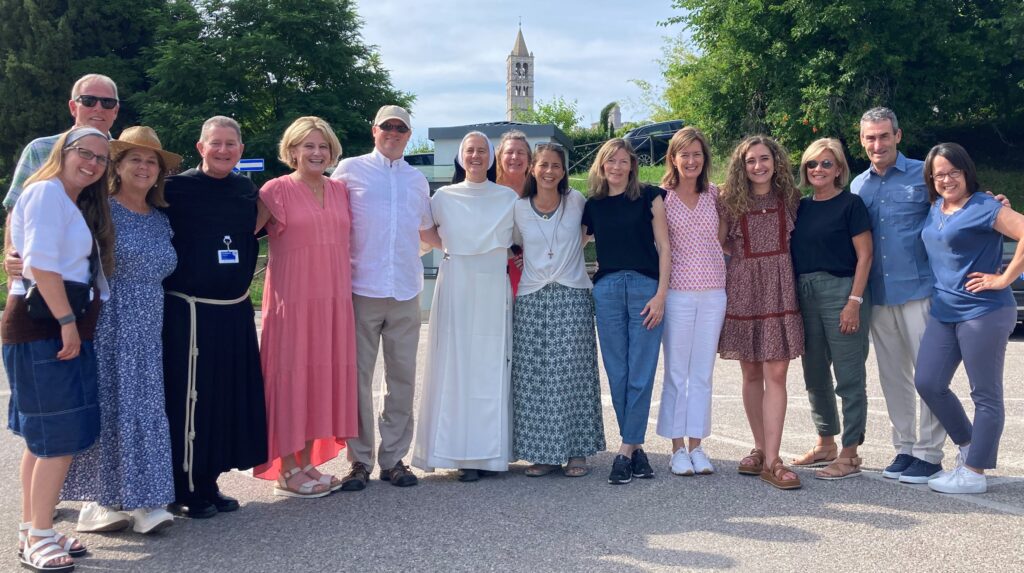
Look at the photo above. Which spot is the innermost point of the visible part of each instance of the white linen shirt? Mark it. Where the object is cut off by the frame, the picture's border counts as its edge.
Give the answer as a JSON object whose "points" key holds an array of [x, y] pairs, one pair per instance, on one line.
{"points": [[390, 204], [50, 234]]}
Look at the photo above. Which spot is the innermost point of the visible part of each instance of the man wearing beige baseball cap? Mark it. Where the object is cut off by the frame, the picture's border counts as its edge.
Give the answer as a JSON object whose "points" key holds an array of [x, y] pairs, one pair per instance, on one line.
{"points": [[390, 203]]}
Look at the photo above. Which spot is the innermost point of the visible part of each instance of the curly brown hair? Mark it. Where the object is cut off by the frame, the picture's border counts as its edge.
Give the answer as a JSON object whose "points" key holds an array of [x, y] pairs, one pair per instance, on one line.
{"points": [[737, 196]]}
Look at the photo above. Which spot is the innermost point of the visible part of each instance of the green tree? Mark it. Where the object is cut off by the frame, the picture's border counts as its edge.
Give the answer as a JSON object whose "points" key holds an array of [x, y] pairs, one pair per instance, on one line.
{"points": [[562, 113], [47, 44], [265, 63], [802, 69]]}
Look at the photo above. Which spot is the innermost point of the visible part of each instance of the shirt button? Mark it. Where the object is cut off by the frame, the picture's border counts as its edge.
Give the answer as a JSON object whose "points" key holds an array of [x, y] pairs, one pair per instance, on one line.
{"points": [[883, 220], [883, 236]]}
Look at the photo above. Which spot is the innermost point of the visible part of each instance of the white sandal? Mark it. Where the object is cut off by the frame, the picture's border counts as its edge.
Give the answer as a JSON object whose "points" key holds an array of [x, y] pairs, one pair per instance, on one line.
{"points": [[305, 491], [43, 552], [330, 482]]}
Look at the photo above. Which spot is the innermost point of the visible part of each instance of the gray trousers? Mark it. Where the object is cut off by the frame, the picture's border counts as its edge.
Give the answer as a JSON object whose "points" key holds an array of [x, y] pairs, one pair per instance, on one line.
{"points": [[397, 323], [826, 349], [980, 343]]}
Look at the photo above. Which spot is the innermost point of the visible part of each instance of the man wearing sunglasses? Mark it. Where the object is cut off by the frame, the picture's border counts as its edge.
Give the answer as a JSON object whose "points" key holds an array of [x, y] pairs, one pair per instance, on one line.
{"points": [[93, 103], [390, 203]]}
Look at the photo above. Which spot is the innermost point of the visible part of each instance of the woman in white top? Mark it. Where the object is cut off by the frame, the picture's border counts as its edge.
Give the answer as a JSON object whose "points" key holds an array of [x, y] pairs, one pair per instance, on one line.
{"points": [[556, 392], [50, 362], [464, 420]]}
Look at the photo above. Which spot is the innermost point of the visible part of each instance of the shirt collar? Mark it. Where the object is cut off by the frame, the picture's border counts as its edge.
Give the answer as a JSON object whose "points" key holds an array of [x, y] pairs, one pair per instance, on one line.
{"points": [[384, 161], [900, 165]]}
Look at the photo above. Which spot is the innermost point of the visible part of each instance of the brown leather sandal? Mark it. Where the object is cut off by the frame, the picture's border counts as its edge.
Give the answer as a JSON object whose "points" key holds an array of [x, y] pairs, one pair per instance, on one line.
{"points": [[817, 457], [755, 465], [774, 473], [840, 468]]}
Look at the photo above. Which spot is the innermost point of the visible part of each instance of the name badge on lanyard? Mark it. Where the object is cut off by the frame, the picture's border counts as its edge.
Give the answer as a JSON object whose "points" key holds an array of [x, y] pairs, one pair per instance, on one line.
{"points": [[227, 255]]}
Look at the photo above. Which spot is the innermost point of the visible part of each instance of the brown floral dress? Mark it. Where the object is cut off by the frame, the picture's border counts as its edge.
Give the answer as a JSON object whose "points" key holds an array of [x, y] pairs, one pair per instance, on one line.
{"points": [[762, 317]]}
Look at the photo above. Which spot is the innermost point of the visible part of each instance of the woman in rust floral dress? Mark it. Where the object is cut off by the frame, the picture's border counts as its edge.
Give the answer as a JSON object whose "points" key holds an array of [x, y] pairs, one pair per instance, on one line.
{"points": [[763, 328]]}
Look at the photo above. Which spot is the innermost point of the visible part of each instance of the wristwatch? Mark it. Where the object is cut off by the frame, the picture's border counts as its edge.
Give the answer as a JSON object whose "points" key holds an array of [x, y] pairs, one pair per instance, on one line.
{"points": [[67, 319], [859, 299]]}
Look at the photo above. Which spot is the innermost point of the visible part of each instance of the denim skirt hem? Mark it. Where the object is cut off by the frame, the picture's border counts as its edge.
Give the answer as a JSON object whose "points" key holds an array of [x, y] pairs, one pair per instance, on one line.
{"points": [[54, 404]]}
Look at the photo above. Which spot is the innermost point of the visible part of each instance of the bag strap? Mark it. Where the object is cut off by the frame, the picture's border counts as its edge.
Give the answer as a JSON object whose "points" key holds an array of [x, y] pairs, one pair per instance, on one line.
{"points": [[94, 267]]}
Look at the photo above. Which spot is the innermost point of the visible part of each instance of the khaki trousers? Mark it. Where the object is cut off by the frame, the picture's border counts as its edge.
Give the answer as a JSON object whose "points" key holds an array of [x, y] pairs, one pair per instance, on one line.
{"points": [[397, 323], [897, 331]]}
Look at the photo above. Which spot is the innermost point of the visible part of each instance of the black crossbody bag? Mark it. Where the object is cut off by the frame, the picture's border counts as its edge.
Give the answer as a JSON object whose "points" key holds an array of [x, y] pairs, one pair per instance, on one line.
{"points": [[78, 293]]}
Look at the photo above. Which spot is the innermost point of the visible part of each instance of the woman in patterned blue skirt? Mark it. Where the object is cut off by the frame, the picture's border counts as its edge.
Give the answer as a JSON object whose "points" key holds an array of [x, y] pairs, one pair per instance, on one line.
{"points": [[556, 393], [127, 475]]}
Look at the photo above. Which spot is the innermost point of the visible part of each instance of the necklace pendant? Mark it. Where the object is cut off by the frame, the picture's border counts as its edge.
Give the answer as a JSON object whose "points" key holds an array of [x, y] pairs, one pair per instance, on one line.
{"points": [[551, 255]]}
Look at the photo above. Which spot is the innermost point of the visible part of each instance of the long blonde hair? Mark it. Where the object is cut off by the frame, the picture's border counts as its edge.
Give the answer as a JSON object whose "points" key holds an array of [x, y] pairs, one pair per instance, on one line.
{"points": [[736, 193], [596, 181], [92, 201]]}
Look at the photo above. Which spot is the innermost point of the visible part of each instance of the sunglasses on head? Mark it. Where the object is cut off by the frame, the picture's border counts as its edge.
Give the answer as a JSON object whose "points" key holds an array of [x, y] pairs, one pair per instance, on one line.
{"points": [[399, 127], [826, 164], [90, 101]]}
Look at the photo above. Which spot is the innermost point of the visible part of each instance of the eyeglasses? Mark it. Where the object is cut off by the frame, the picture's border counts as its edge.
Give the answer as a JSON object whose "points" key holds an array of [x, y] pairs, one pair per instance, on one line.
{"points": [[91, 101], [89, 156], [953, 175], [826, 164], [400, 128]]}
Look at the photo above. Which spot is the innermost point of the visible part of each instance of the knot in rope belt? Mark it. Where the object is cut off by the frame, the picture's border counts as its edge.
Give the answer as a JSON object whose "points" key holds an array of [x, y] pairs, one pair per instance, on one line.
{"points": [[192, 396]]}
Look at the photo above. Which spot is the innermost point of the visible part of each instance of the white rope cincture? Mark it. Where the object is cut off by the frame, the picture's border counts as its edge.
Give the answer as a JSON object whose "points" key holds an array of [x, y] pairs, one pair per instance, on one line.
{"points": [[192, 396]]}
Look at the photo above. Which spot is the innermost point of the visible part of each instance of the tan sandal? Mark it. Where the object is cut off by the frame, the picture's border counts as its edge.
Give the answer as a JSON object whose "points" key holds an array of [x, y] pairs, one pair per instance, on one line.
{"points": [[755, 465], [816, 457], [308, 489], [538, 470], [840, 468], [774, 473], [577, 467]]}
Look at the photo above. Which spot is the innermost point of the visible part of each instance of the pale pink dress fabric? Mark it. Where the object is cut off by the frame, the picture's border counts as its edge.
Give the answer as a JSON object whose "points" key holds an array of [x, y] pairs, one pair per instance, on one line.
{"points": [[308, 348]]}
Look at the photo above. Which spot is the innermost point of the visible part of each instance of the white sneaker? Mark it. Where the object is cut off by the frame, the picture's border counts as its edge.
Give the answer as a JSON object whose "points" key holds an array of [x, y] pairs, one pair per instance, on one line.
{"points": [[960, 480], [96, 518], [681, 465], [150, 520], [701, 463]]}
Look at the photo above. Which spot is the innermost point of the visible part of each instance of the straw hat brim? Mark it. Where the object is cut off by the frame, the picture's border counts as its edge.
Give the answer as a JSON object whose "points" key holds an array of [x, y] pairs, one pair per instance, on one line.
{"points": [[171, 160]]}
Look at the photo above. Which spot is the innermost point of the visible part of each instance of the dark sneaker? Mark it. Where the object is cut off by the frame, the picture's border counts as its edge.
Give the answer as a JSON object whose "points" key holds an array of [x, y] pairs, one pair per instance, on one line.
{"points": [[400, 475], [467, 476], [622, 470], [920, 472], [898, 465], [356, 478], [641, 466]]}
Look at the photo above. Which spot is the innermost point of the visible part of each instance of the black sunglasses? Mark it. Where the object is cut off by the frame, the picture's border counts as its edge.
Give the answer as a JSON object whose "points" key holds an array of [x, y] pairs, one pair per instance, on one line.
{"points": [[90, 101], [826, 164], [399, 127]]}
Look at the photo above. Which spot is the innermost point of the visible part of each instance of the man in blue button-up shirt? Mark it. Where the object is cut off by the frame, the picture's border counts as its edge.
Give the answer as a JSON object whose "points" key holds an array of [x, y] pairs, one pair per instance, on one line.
{"points": [[900, 283]]}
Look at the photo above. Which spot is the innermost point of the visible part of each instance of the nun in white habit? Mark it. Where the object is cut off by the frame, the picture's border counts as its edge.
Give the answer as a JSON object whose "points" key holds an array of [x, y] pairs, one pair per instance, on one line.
{"points": [[465, 410]]}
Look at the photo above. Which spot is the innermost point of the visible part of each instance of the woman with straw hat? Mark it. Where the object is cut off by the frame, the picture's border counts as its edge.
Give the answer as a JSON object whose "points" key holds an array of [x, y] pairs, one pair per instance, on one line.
{"points": [[127, 475]]}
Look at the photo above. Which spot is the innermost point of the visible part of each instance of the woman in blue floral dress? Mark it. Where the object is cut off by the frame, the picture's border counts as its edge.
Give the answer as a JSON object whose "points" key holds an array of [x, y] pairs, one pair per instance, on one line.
{"points": [[127, 476]]}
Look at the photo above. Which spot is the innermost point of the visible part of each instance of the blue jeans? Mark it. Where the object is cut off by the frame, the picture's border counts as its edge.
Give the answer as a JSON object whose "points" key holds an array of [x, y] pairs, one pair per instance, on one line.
{"points": [[54, 403], [628, 349]]}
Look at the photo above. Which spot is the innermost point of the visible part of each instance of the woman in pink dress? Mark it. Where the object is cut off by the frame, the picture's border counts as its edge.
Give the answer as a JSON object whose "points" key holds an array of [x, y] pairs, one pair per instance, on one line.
{"points": [[308, 348]]}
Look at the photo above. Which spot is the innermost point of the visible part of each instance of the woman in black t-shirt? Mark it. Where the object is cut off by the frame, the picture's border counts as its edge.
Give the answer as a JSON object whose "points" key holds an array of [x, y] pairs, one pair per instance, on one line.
{"points": [[628, 221], [831, 248]]}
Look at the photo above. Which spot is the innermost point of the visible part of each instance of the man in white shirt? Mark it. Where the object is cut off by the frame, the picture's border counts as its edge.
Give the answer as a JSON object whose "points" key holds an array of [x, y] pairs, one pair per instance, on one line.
{"points": [[390, 204]]}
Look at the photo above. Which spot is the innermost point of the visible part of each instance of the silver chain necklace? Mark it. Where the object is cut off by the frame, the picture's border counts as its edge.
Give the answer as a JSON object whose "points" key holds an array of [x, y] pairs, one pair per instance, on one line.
{"points": [[554, 236]]}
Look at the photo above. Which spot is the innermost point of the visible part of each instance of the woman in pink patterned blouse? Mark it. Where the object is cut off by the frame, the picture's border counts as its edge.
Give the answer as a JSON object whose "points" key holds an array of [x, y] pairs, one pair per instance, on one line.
{"points": [[695, 306]]}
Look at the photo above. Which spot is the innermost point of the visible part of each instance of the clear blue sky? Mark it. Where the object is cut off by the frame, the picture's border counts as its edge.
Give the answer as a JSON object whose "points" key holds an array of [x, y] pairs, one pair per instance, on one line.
{"points": [[451, 54]]}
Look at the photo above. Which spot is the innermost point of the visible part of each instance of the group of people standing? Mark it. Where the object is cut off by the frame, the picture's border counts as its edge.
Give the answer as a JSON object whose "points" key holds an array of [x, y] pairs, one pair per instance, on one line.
{"points": [[141, 392]]}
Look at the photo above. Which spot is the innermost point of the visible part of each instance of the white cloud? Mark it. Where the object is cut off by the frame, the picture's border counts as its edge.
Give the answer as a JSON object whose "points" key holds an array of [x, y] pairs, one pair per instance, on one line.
{"points": [[451, 54]]}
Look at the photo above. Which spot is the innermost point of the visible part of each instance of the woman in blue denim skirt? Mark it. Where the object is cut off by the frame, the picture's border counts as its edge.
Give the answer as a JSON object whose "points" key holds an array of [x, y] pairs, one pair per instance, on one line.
{"points": [[56, 224], [628, 222]]}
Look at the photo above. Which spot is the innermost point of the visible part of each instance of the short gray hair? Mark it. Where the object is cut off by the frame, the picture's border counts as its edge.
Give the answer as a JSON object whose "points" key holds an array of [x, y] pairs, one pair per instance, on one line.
{"points": [[76, 90], [877, 114], [220, 121]]}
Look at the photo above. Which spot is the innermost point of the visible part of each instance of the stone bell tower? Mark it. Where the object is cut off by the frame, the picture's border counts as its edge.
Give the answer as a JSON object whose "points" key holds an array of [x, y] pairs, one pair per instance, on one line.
{"points": [[518, 78]]}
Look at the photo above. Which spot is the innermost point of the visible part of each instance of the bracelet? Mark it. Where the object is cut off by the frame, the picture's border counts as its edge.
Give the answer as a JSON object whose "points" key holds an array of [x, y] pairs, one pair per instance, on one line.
{"points": [[67, 319], [859, 299]]}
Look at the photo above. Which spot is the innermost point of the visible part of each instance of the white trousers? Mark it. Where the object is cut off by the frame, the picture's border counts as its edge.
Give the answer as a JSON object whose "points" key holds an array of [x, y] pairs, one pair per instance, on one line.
{"points": [[896, 331], [693, 322]]}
